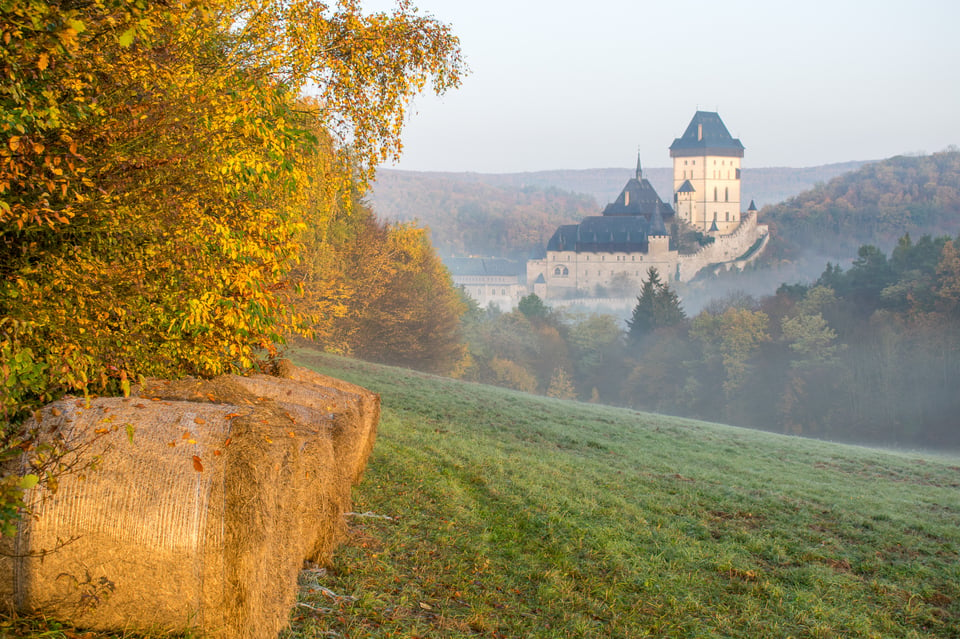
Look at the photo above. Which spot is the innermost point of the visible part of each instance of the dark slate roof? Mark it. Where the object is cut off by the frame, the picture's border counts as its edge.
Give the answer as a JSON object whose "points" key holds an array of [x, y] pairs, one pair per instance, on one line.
{"points": [[624, 225], [706, 135], [713, 226], [752, 207], [484, 266], [686, 187], [657, 227], [599, 233], [643, 200]]}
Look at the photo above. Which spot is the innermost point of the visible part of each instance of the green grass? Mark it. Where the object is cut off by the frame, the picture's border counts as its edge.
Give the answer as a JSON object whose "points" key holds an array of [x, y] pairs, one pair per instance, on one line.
{"points": [[522, 516], [515, 515]]}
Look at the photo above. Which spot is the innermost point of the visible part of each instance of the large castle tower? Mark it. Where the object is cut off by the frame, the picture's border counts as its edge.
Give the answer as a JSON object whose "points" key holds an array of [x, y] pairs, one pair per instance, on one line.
{"points": [[706, 175]]}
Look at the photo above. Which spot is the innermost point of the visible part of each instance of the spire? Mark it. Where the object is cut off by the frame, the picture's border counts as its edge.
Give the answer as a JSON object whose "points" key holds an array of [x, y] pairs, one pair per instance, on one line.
{"points": [[639, 170]]}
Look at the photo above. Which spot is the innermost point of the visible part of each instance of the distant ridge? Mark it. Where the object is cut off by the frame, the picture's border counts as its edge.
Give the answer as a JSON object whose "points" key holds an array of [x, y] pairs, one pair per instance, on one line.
{"points": [[769, 185], [514, 214]]}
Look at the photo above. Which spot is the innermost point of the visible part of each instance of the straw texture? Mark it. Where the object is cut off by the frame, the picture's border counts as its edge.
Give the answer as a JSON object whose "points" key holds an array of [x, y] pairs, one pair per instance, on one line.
{"points": [[202, 521]]}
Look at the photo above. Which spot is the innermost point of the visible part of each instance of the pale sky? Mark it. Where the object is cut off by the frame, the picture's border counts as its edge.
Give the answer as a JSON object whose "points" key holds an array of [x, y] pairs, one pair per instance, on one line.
{"points": [[565, 84]]}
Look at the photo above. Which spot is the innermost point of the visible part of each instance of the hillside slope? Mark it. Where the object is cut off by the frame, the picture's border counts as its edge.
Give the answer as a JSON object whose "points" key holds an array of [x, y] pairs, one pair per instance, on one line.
{"points": [[493, 513], [514, 214], [876, 204]]}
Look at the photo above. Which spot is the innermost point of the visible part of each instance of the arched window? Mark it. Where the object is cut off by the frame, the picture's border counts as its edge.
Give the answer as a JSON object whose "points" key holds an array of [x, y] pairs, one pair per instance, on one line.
{"points": [[557, 271]]}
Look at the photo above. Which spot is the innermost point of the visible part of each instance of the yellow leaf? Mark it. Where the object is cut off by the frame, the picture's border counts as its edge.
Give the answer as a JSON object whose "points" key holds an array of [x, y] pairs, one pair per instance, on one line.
{"points": [[43, 61]]}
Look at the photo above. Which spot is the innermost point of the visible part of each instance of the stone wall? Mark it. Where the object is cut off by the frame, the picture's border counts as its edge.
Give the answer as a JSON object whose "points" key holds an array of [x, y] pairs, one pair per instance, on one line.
{"points": [[725, 249]]}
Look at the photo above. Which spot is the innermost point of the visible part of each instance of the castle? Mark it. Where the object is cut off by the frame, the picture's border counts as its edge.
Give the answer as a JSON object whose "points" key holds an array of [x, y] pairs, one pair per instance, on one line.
{"points": [[610, 254]]}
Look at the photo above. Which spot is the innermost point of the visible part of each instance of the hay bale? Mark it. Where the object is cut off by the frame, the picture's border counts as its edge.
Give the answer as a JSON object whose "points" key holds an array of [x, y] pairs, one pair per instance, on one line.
{"points": [[201, 523]]}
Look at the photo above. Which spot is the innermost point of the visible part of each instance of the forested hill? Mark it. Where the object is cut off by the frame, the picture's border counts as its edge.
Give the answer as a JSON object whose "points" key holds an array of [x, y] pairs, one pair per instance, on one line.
{"points": [[876, 204], [468, 216], [514, 214]]}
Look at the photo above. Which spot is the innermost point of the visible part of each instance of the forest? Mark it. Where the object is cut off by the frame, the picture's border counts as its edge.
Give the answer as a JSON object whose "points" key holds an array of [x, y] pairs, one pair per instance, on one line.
{"points": [[876, 204], [866, 355]]}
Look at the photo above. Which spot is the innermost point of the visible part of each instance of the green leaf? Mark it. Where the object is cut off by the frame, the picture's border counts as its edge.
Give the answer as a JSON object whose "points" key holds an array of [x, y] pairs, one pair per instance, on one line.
{"points": [[29, 481], [130, 431], [126, 38], [77, 25]]}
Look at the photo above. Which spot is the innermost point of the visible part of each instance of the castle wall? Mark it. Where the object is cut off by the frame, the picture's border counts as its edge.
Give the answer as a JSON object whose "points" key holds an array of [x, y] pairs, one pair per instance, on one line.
{"points": [[566, 272], [726, 248]]}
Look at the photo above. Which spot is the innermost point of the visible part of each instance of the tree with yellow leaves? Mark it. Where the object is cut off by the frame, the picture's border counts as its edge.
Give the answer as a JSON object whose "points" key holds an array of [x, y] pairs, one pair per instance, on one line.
{"points": [[160, 164]]}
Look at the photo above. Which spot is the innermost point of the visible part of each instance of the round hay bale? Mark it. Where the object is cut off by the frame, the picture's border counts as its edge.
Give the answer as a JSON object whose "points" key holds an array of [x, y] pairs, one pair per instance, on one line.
{"points": [[200, 522]]}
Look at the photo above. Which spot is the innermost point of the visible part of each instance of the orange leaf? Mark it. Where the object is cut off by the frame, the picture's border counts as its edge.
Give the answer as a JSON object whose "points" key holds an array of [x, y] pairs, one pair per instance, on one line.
{"points": [[197, 466], [217, 453], [231, 415], [199, 420], [227, 443], [186, 435], [171, 444], [101, 431]]}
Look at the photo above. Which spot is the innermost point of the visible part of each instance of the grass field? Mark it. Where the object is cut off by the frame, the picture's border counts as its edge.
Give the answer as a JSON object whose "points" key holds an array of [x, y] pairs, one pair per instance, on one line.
{"points": [[490, 513], [520, 516]]}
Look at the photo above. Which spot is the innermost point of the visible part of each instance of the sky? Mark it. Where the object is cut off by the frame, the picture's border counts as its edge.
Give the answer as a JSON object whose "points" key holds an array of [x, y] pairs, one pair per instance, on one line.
{"points": [[565, 84]]}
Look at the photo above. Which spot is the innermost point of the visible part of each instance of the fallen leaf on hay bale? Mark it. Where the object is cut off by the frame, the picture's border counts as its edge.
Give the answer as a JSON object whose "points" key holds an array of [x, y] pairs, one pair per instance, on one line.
{"points": [[206, 532]]}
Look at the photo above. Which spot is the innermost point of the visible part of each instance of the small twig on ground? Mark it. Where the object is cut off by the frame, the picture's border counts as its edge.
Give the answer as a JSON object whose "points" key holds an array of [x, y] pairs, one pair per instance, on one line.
{"points": [[323, 611], [369, 514], [335, 596]]}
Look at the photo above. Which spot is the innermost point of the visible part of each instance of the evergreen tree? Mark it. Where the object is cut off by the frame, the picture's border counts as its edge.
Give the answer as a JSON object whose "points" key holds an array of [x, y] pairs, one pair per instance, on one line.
{"points": [[658, 306], [533, 307]]}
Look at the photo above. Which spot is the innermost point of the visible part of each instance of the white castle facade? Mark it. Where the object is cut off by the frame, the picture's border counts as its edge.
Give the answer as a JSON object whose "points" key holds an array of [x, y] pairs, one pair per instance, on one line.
{"points": [[613, 251]]}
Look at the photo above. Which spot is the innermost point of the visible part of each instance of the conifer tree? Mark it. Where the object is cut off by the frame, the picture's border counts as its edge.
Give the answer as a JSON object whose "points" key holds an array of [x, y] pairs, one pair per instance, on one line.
{"points": [[658, 306]]}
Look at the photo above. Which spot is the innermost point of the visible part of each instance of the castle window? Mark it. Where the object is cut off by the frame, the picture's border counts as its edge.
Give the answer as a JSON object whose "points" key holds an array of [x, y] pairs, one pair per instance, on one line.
{"points": [[738, 174], [714, 194], [714, 216], [556, 271], [726, 194], [728, 216], [694, 162]]}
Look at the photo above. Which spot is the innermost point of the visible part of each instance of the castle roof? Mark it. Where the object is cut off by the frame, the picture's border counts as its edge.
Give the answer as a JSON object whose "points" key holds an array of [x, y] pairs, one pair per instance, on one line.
{"points": [[752, 207], [706, 135], [686, 187], [638, 197], [625, 225]]}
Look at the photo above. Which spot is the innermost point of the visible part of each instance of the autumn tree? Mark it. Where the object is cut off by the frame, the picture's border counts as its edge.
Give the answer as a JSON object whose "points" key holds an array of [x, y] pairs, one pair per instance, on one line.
{"points": [[159, 166], [386, 295]]}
